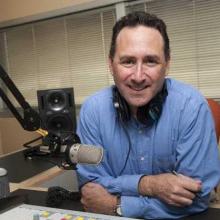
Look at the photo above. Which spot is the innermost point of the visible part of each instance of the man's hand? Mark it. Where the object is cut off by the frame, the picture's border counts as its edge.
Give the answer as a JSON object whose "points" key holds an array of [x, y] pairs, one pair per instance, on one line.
{"points": [[96, 198], [177, 190]]}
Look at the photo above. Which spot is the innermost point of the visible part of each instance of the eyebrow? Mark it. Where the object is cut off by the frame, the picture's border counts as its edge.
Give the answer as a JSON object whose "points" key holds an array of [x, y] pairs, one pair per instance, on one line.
{"points": [[154, 57], [126, 57]]}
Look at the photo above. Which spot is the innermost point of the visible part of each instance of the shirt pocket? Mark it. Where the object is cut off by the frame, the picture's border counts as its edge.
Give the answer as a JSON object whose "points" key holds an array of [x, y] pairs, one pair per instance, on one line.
{"points": [[164, 164]]}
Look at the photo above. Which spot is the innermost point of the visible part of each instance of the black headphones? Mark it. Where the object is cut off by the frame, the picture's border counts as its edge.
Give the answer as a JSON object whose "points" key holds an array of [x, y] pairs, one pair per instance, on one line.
{"points": [[147, 114], [56, 195]]}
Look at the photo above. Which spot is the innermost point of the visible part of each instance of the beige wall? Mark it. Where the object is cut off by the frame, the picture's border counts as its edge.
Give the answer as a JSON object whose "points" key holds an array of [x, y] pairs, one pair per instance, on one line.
{"points": [[11, 9], [14, 12], [12, 135]]}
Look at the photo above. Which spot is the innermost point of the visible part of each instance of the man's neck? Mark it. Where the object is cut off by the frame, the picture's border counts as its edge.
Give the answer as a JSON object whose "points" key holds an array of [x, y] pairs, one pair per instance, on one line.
{"points": [[133, 110]]}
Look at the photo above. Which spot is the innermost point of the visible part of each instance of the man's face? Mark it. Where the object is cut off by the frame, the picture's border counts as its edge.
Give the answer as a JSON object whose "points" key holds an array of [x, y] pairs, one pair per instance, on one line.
{"points": [[139, 66]]}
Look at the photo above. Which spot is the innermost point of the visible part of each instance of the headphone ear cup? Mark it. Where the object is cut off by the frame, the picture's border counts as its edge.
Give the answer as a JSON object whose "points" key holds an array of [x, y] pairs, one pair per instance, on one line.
{"points": [[121, 106], [151, 112]]}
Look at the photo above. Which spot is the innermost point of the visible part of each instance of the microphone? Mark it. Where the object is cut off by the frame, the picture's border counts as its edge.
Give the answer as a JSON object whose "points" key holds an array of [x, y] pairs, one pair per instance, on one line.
{"points": [[83, 154], [68, 147]]}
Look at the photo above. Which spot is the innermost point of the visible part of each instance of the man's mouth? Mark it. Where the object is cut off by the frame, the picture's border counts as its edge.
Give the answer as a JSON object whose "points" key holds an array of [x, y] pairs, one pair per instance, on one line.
{"points": [[138, 88]]}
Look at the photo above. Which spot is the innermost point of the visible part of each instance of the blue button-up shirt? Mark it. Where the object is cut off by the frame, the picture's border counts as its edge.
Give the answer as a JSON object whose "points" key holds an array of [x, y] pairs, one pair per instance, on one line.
{"points": [[183, 139]]}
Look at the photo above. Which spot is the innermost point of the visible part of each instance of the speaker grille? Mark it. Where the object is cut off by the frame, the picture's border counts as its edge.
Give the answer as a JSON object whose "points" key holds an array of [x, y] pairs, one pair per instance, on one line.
{"points": [[57, 110]]}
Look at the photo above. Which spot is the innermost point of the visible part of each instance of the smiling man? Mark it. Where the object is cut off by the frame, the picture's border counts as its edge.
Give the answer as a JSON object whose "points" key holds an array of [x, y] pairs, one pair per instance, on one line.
{"points": [[151, 127], [139, 65]]}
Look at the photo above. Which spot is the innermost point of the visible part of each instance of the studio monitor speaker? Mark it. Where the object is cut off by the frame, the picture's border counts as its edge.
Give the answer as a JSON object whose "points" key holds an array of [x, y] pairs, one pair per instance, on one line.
{"points": [[57, 110]]}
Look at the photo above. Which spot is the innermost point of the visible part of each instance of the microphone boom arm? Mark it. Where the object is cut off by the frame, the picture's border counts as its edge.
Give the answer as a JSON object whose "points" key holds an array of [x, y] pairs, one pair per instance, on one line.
{"points": [[31, 119]]}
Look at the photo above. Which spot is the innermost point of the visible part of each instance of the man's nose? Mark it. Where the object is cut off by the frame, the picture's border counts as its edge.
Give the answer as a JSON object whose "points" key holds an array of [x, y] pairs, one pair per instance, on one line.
{"points": [[139, 73]]}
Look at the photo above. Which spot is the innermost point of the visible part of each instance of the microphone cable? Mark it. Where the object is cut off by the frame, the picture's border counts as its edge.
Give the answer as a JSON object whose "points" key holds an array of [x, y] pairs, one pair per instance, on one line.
{"points": [[122, 123], [62, 164], [129, 147], [34, 152]]}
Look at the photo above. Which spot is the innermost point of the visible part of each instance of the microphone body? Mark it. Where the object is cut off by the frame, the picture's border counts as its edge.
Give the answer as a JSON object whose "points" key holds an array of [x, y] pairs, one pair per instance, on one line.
{"points": [[83, 154]]}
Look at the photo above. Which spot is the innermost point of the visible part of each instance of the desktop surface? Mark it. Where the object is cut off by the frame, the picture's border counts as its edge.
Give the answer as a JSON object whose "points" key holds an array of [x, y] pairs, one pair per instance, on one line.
{"points": [[39, 198], [20, 168]]}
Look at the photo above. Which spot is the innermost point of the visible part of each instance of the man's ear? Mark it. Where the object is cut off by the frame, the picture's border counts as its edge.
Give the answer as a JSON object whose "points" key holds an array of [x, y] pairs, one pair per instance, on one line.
{"points": [[110, 65]]}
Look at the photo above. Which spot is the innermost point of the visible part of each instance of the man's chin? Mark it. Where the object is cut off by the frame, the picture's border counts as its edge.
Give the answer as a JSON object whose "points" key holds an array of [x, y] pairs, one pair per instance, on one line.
{"points": [[138, 103], [139, 100]]}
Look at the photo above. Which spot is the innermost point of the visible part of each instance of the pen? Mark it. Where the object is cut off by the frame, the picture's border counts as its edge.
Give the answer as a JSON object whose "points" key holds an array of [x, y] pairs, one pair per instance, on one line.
{"points": [[177, 174]]}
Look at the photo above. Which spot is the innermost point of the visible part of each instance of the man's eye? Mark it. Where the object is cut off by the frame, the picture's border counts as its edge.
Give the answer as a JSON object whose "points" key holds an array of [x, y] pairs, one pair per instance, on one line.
{"points": [[151, 62], [127, 63]]}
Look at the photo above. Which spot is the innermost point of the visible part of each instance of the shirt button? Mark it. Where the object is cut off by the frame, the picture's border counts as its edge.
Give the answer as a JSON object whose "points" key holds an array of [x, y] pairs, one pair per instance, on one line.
{"points": [[140, 131], [142, 158]]}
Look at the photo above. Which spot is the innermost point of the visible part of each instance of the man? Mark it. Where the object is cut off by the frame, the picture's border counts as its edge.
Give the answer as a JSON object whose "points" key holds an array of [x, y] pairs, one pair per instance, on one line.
{"points": [[160, 149]]}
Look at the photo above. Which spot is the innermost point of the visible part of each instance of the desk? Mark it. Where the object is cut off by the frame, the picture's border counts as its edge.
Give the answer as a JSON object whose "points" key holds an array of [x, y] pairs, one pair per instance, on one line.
{"points": [[39, 198], [26, 173], [30, 172]]}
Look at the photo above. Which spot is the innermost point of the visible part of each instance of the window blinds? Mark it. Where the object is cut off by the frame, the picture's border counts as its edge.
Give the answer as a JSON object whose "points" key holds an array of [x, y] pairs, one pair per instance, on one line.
{"points": [[194, 32], [69, 51]]}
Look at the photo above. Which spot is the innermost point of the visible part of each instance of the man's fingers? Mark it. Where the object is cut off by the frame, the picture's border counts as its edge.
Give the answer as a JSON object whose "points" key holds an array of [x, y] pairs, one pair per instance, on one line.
{"points": [[82, 201], [190, 184], [179, 201], [188, 194], [177, 190]]}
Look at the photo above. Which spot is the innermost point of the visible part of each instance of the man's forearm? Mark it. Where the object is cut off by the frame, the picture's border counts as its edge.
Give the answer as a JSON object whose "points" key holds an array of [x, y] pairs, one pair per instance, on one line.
{"points": [[145, 186], [118, 185]]}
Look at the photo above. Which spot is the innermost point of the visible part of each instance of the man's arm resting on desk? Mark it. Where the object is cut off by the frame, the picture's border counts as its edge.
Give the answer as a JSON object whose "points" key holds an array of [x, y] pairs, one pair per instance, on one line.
{"points": [[174, 190], [96, 198]]}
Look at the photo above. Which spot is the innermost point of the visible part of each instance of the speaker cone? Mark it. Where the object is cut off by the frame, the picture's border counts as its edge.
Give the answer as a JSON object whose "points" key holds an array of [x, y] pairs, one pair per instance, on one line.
{"points": [[59, 123], [56, 101]]}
